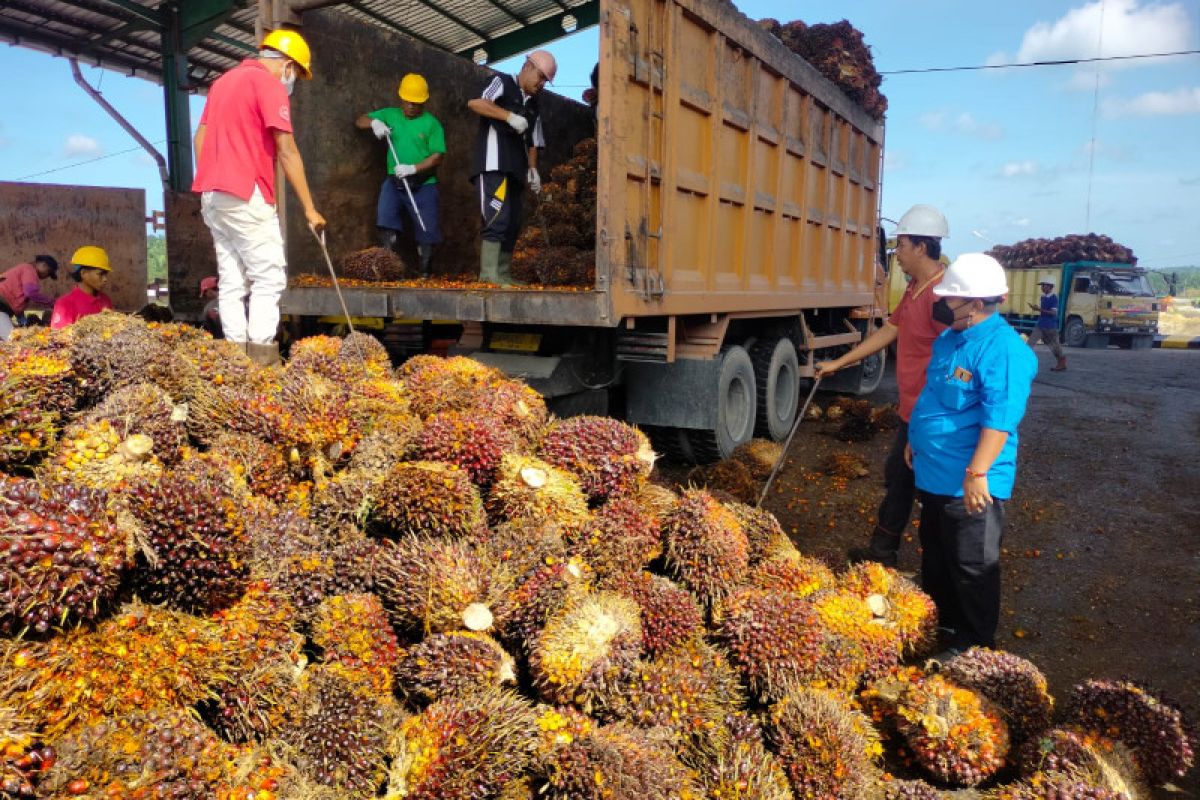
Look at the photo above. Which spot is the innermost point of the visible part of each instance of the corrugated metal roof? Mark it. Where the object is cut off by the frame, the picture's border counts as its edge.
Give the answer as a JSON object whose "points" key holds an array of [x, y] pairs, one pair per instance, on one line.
{"points": [[117, 34]]}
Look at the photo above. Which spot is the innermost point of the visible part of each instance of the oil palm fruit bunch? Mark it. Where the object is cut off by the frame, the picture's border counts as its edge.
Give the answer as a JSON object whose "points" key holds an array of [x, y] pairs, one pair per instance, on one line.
{"points": [[889, 788], [219, 362], [956, 735], [259, 696], [537, 595], [63, 555], [1062, 249], [434, 586], [706, 548], [616, 762], [318, 422], [526, 544], [329, 568], [146, 409], [520, 409], [773, 638], [898, 602], [347, 497], [260, 464], [452, 664], [609, 457], [619, 539], [429, 498], [341, 737], [529, 489], [372, 264], [195, 549], [826, 747], [96, 455], [474, 443], [354, 633], [669, 613], [741, 767], [243, 407], [463, 747], [787, 570], [167, 659], [1055, 785], [1101, 761], [838, 52], [764, 536], [35, 392], [1015, 685], [437, 385], [854, 618], [585, 648], [1155, 731], [22, 758]]}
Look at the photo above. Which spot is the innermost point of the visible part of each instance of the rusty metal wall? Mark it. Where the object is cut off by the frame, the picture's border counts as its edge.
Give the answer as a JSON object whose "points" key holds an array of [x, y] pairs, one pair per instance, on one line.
{"points": [[55, 220], [357, 68], [190, 253]]}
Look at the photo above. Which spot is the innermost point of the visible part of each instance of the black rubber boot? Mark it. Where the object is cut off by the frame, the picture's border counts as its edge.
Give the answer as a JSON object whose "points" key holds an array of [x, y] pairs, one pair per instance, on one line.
{"points": [[425, 253], [388, 239], [884, 549]]}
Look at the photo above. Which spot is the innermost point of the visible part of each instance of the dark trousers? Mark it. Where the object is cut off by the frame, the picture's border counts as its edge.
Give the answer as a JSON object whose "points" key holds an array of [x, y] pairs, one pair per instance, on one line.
{"points": [[960, 566], [900, 490], [501, 210], [394, 206]]}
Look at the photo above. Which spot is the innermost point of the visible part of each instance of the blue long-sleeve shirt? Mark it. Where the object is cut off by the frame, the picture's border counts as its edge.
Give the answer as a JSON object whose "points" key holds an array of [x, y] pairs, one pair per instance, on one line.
{"points": [[978, 378]]}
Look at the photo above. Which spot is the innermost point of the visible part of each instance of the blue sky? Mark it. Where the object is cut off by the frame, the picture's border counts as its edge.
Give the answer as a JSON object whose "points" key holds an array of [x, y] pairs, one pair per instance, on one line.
{"points": [[1006, 153]]}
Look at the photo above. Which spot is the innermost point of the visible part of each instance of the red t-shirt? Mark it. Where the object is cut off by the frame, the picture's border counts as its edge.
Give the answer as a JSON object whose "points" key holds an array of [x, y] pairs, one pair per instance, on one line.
{"points": [[13, 289], [245, 107], [914, 344], [77, 304]]}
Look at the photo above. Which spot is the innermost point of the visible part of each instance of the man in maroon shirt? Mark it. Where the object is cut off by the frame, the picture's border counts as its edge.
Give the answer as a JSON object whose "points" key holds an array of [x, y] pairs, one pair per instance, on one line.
{"points": [[246, 127], [911, 326]]}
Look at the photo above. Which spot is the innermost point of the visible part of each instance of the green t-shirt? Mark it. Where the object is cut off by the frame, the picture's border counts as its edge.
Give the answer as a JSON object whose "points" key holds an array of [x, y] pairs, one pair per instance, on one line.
{"points": [[414, 139]]}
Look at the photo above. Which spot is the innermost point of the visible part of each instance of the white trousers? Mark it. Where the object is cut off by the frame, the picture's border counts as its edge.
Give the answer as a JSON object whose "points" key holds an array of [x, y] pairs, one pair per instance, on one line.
{"points": [[250, 262]]}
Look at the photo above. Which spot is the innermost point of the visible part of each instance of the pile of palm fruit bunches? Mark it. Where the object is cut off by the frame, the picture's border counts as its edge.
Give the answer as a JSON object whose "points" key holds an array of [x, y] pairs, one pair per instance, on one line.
{"points": [[558, 246], [1062, 249], [336, 579], [839, 53]]}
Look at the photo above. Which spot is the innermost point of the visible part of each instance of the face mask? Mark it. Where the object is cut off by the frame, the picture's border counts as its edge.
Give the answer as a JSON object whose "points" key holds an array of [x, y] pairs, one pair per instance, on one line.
{"points": [[944, 314], [288, 80]]}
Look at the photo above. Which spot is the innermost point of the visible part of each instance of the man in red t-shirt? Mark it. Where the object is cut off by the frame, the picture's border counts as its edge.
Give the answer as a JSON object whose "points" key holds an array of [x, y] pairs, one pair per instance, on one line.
{"points": [[245, 128], [911, 326], [21, 286]]}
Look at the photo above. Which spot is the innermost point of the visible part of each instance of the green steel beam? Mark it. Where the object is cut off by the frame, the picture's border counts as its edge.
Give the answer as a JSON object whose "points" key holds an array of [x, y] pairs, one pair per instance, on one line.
{"points": [[175, 96], [199, 18], [229, 40], [529, 37], [151, 15]]}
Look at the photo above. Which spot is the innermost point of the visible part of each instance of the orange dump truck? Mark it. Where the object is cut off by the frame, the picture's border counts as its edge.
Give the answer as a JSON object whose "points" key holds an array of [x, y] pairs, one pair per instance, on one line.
{"points": [[736, 240]]}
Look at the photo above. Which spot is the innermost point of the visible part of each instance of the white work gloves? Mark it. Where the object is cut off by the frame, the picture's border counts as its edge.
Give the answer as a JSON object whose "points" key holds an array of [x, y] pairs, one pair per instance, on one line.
{"points": [[534, 180], [403, 171], [518, 123], [379, 129]]}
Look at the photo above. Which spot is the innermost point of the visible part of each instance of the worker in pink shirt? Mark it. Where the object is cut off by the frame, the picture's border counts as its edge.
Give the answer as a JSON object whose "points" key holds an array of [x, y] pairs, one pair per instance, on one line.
{"points": [[89, 269], [21, 285], [246, 128]]}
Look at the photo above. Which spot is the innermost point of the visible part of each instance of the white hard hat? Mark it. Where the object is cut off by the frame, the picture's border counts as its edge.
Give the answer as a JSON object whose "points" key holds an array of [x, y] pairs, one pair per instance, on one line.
{"points": [[923, 220], [973, 275]]}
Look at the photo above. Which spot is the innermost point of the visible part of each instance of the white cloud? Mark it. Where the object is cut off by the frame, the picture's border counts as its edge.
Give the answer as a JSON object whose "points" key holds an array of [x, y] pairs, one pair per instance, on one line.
{"points": [[1014, 169], [1156, 104], [1022, 222], [964, 123], [78, 145], [1105, 28], [894, 160]]}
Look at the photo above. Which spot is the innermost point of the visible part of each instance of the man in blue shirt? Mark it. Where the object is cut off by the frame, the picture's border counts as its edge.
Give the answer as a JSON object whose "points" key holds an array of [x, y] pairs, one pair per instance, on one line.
{"points": [[963, 448], [1047, 324]]}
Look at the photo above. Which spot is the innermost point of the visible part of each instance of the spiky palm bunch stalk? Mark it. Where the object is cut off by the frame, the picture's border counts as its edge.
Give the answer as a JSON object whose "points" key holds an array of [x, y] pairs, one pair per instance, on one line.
{"points": [[539, 594], [706, 548], [585, 648], [453, 664], [195, 549], [1162, 743], [670, 614], [63, 555], [262, 466], [903, 606], [527, 488], [609, 457], [1102, 761], [388, 439], [618, 539], [167, 659], [764, 535], [340, 739], [826, 747], [433, 586], [353, 632], [616, 762], [463, 747], [1014, 684], [429, 498]]}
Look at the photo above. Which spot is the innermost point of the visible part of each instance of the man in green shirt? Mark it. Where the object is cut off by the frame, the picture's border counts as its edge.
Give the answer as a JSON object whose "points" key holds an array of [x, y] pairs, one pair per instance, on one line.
{"points": [[418, 144]]}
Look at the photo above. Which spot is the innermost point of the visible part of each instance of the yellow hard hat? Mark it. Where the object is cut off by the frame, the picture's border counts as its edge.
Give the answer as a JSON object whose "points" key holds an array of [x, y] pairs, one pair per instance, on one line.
{"points": [[413, 88], [292, 45], [91, 256]]}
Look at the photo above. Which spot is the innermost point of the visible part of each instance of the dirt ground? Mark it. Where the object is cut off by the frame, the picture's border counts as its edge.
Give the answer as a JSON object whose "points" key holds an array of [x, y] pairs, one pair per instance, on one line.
{"points": [[1101, 556]]}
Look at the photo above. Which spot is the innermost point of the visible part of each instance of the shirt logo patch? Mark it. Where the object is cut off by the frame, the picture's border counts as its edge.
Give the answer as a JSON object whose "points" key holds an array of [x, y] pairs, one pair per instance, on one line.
{"points": [[961, 374], [285, 113]]}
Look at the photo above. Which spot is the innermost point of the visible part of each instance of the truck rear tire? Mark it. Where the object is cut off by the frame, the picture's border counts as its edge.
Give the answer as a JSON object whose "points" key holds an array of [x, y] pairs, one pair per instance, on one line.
{"points": [[670, 443], [737, 403], [1075, 333], [872, 372], [777, 375]]}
